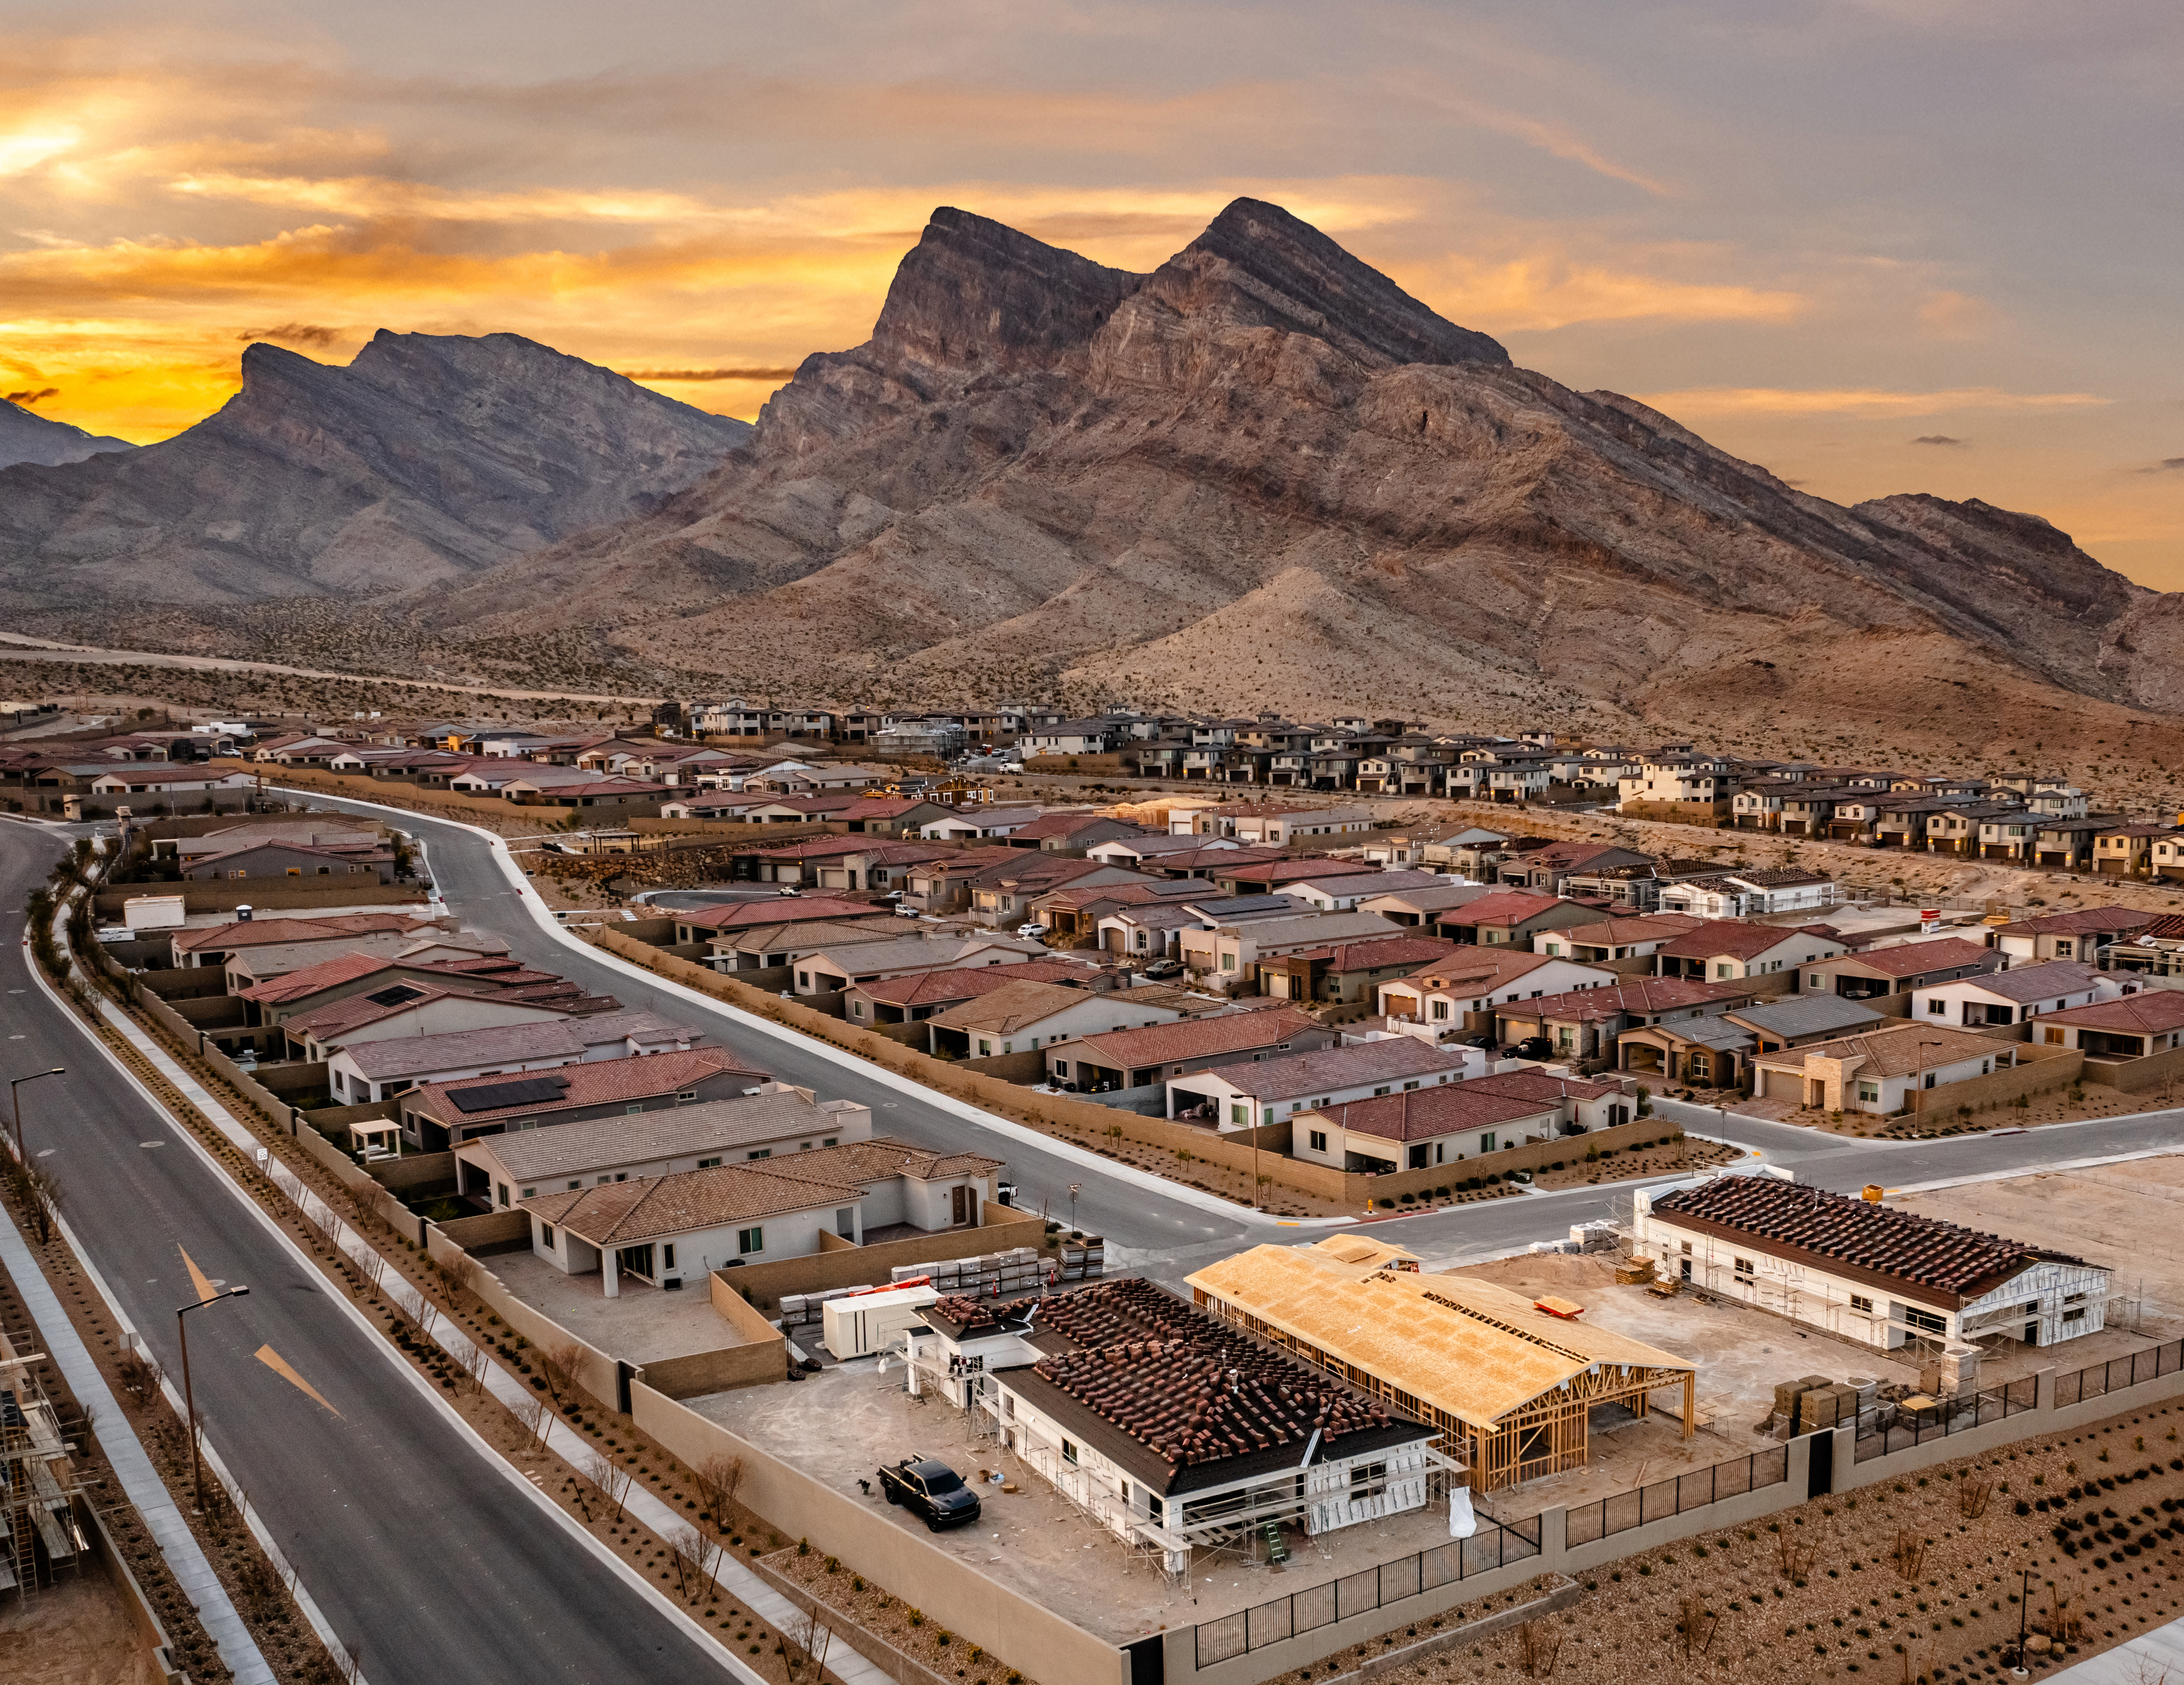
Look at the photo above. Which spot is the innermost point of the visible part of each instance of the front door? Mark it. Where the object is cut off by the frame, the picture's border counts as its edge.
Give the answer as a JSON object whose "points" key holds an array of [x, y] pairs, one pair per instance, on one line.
{"points": [[967, 1208], [1687, 1269]]}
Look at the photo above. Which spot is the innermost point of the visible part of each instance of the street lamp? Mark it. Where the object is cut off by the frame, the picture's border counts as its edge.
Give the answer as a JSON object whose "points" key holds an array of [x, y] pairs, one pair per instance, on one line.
{"points": [[189, 1398], [15, 1102], [2024, 1598]]}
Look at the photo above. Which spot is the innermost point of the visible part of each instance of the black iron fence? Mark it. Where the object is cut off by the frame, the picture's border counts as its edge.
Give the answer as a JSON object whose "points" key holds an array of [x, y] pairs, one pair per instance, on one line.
{"points": [[1666, 1498], [1885, 1429], [2113, 1375], [1496, 1544]]}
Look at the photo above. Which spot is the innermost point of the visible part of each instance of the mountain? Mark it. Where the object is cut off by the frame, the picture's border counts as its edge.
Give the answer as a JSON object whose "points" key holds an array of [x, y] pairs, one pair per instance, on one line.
{"points": [[1264, 475], [26, 438], [428, 458]]}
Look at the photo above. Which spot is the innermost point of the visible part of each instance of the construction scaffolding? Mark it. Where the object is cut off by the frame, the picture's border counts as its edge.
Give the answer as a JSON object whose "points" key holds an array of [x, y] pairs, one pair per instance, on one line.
{"points": [[38, 1488]]}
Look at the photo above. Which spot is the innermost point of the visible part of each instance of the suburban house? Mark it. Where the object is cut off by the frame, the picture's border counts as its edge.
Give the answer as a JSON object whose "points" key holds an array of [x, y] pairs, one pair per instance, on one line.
{"points": [[1070, 833], [1750, 894], [1416, 906], [1510, 1389], [759, 947], [1346, 971], [1126, 1061], [1023, 1017], [369, 1071], [1588, 1024], [2136, 1026], [199, 945], [1880, 1071], [916, 996], [1612, 938], [1071, 911], [696, 924], [293, 992], [284, 860], [839, 863], [942, 885], [1003, 893], [1599, 1101], [1271, 1090], [1277, 827], [2016, 996], [1872, 1273], [1163, 1424], [2128, 850], [665, 1229], [439, 1116], [2068, 936], [1797, 1019], [1421, 1128], [1351, 889], [405, 1009], [1233, 949], [825, 970], [1474, 980], [1511, 918], [499, 1171], [1908, 967], [1722, 948], [1547, 869], [977, 824]]}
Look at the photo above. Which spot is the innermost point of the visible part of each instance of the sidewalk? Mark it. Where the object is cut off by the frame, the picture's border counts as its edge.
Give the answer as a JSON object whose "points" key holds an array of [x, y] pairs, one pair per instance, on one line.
{"points": [[163, 1519], [2148, 1660]]}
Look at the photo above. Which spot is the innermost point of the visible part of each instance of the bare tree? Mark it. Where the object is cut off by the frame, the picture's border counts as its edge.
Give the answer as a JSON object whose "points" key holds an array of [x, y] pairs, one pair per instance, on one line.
{"points": [[140, 1375], [560, 1365], [809, 1638], [718, 1479], [458, 1273], [535, 1410], [611, 1478], [1909, 1553], [42, 1196], [1537, 1647], [1697, 1625], [700, 1553]]}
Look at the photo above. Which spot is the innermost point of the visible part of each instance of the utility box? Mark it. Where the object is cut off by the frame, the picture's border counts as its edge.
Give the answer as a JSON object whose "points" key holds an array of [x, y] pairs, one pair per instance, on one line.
{"points": [[859, 1325], [153, 913]]}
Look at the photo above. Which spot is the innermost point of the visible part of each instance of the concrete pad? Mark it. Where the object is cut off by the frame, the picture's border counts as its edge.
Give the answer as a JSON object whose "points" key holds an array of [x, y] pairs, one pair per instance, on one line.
{"points": [[645, 1324]]}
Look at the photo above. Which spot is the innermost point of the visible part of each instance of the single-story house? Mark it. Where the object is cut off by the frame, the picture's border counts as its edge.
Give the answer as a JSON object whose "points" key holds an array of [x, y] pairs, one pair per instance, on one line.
{"points": [[2018, 995], [697, 923], [1232, 948], [1351, 889], [1878, 1071], [977, 823], [1477, 980], [2134, 1026], [405, 1009], [1346, 971], [1271, 1090], [1723, 948], [1415, 907], [198, 945], [1750, 894], [1615, 938], [1905, 968], [1123, 1060], [438, 1115], [369, 1071], [1511, 918], [1022, 1017], [664, 1229], [825, 970], [1588, 1024], [284, 860], [1797, 1019], [2068, 936], [916, 995], [501, 1170], [1873, 1273], [758, 947], [1419, 1128]]}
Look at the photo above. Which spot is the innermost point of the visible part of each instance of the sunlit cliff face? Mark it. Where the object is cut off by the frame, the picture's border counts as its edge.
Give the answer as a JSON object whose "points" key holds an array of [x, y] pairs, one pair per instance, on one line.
{"points": [[1877, 245]]}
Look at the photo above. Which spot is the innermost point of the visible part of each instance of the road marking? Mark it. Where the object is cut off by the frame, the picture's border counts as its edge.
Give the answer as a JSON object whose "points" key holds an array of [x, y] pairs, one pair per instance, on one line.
{"points": [[151, 1143], [197, 1278], [280, 1365]]}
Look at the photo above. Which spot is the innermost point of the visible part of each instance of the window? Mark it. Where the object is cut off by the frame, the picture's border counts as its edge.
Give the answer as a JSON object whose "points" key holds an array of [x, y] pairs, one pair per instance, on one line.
{"points": [[503, 1187], [1239, 1112], [831, 1141], [1743, 1266], [1318, 1140], [1227, 962], [985, 1049], [1722, 968], [633, 1110], [1441, 1009], [1925, 1321], [577, 1184], [687, 1094], [1068, 1451], [1936, 1007], [1869, 1091], [667, 1256], [803, 980], [1860, 1303], [1367, 1480], [546, 1236], [748, 1241], [530, 1193], [2074, 1315], [762, 1153], [1687, 1248], [713, 1163], [1486, 1141]]}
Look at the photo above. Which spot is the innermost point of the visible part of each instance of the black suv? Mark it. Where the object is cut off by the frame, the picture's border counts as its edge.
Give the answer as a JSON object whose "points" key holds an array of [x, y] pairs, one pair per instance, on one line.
{"points": [[932, 1489]]}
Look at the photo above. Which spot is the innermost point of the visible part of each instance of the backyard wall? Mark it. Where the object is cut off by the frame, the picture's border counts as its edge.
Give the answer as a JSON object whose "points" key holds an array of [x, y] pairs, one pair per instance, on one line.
{"points": [[2040, 1069], [2136, 1075], [999, 1228]]}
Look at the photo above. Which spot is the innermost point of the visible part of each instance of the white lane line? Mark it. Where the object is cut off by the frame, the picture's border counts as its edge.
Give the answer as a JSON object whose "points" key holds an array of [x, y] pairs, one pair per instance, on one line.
{"points": [[227, 1125]]}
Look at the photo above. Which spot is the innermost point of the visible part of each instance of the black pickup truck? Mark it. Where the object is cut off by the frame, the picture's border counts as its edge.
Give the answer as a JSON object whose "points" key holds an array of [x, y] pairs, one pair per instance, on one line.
{"points": [[932, 1489]]}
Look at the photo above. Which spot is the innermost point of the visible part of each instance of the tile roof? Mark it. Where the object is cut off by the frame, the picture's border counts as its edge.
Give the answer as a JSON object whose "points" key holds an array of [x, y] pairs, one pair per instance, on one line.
{"points": [[1297, 1075], [1811, 1014], [923, 952], [1447, 1108], [1191, 1038], [1309, 870], [1017, 1005], [1909, 959], [1379, 953], [968, 983], [1469, 966], [1069, 824], [354, 1012], [2052, 977], [594, 1083], [1920, 1257], [326, 974], [777, 909], [565, 1038], [1612, 932], [2149, 1012], [1735, 938], [569, 1149], [1900, 1051], [1178, 1399], [260, 932], [1637, 997], [1532, 1081], [2088, 920], [1506, 906]]}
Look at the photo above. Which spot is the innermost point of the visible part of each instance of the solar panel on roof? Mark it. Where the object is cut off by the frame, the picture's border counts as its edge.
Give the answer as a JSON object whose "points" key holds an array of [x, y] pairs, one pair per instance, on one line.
{"points": [[395, 995], [529, 1091]]}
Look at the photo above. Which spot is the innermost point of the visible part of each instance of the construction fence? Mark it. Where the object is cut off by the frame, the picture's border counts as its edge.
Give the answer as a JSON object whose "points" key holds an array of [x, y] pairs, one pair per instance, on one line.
{"points": [[1884, 1429], [1496, 1544], [2119, 1373], [1665, 1498]]}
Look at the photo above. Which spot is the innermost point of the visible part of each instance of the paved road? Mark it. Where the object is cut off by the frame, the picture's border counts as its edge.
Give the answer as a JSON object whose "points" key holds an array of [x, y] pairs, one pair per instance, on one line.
{"points": [[410, 1540], [1167, 1237]]}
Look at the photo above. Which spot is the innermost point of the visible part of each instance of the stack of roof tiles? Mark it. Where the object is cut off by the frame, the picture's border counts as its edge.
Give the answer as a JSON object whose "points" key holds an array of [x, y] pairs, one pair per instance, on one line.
{"points": [[1879, 1238], [1184, 1385]]}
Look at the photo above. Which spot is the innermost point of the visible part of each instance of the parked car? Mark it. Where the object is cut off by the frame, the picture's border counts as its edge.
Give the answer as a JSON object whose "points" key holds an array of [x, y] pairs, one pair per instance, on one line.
{"points": [[1163, 968], [932, 1490], [1031, 930], [1536, 1047], [788, 889]]}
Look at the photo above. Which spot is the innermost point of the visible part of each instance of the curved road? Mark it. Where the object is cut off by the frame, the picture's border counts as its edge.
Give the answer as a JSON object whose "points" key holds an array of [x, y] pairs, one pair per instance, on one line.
{"points": [[1166, 1236], [412, 1543]]}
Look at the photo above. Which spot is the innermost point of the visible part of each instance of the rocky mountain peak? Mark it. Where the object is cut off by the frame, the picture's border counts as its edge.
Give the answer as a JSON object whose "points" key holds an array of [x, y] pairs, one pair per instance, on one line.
{"points": [[26, 436], [975, 293], [1257, 265]]}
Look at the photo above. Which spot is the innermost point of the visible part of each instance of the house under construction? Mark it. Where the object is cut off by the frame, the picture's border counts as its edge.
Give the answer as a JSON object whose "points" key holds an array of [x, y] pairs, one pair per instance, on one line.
{"points": [[1513, 1390], [37, 1486]]}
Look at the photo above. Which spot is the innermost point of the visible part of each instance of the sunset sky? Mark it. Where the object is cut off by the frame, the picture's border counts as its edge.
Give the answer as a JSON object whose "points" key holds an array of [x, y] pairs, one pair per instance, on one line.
{"points": [[1896, 245]]}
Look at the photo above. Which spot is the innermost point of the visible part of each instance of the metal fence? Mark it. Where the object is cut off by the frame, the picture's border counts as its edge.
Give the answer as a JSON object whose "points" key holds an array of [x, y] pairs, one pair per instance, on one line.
{"points": [[2117, 1373], [1495, 1545], [1885, 1429], [1666, 1498]]}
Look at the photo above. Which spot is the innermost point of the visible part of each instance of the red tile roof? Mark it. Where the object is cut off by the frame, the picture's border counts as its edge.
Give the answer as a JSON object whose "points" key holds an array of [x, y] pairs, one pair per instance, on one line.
{"points": [[1191, 1038], [968, 983], [1504, 907], [775, 910], [2150, 1012], [1422, 1113], [1637, 998], [600, 1083], [1379, 954], [1944, 953], [1735, 938]]}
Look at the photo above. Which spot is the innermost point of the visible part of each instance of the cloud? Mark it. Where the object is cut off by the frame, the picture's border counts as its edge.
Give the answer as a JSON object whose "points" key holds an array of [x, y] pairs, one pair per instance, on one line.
{"points": [[1936, 439], [678, 374], [293, 333], [27, 399], [2168, 465], [1857, 402]]}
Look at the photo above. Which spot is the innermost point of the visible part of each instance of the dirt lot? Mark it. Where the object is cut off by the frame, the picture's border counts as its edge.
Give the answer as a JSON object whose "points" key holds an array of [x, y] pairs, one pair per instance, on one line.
{"points": [[78, 1631], [1916, 1580]]}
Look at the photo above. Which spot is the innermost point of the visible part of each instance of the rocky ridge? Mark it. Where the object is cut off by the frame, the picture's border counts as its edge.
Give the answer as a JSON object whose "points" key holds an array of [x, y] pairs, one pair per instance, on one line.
{"points": [[28, 436]]}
